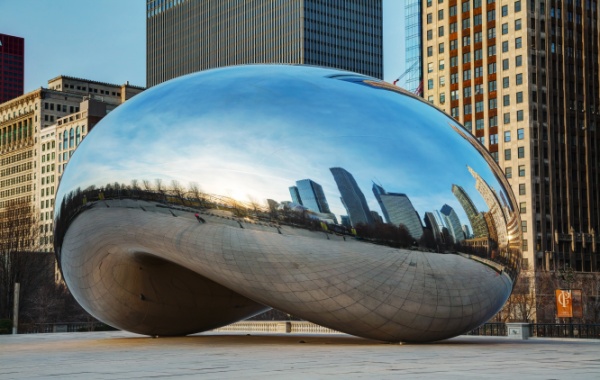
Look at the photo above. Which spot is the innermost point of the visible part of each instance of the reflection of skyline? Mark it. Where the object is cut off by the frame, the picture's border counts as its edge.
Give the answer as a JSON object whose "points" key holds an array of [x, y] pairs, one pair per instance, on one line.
{"points": [[310, 194], [493, 203]]}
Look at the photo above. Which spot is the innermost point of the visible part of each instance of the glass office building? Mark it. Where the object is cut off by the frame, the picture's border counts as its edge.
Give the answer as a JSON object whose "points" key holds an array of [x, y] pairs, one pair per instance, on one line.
{"points": [[185, 36], [412, 47]]}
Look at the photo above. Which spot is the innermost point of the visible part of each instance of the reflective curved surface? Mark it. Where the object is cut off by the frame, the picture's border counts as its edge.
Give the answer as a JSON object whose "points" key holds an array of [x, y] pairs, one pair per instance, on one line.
{"points": [[329, 195]]}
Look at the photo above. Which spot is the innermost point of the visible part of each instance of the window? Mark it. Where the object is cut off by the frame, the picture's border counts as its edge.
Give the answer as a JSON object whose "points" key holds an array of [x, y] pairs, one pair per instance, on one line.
{"points": [[454, 78], [505, 82], [430, 67], [441, 64], [519, 78], [466, 23], [506, 154], [429, 18], [467, 57], [504, 46], [504, 10], [477, 20], [453, 10], [441, 31], [467, 74], [519, 115], [518, 24], [467, 109], [479, 124], [517, 6], [505, 28], [479, 106], [467, 91], [519, 97], [521, 170], [523, 207], [466, 40], [522, 192], [429, 51], [441, 48], [454, 95], [494, 139], [453, 44], [506, 136], [429, 35], [430, 84], [491, 33], [508, 172], [491, 85], [453, 61], [518, 43], [521, 152], [465, 6], [468, 126], [478, 72], [492, 68], [519, 61], [520, 134], [441, 14], [491, 51], [481, 139], [493, 103], [430, 99], [493, 121], [454, 111], [478, 37], [494, 156], [505, 64], [506, 100], [442, 81], [478, 89], [442, 98], [453, 27], [523, 222], [507, 118], [491, 15]]}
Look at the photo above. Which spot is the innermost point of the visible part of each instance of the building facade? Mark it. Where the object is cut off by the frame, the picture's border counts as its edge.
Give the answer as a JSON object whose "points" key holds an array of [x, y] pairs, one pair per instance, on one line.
{"points": [[522, 76], [413, 46], [185, 36], [12, 67], [352, 197], [38, 133]]}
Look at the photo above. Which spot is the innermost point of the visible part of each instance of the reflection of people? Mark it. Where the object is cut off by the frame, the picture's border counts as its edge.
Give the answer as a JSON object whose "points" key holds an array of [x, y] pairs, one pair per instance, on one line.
{"points": [[200, 220]]}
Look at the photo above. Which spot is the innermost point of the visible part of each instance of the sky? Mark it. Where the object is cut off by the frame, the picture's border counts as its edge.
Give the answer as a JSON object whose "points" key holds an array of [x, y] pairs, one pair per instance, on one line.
{"points": [[105, 40]]}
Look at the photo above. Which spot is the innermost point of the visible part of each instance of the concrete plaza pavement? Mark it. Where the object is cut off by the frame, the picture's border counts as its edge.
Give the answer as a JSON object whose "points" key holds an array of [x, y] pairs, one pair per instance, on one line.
{"points": [[212, 355]]}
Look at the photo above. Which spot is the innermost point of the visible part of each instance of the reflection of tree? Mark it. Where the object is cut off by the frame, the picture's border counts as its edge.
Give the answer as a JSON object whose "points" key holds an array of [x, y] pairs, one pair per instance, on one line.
{"points": [[386, 234]]}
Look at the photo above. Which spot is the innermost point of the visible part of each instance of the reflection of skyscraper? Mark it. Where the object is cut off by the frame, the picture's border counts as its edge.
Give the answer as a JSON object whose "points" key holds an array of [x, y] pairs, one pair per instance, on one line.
{"points": [[378, 191], [495, 209], [398, 209], [453, 223], [475, 217], [310, 195], [432, 224], [352, 197], [295, 195]]}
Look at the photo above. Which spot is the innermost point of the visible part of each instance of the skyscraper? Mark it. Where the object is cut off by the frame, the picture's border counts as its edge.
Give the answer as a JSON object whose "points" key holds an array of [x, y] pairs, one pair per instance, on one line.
{"points": [[352, 197], [312, 196], [523, 77], [412, 47], [12, 67], [184, 36]]}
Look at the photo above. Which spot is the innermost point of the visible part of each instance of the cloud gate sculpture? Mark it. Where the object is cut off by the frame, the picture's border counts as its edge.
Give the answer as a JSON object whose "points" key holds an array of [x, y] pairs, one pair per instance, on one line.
{"points": [[332, 196]]}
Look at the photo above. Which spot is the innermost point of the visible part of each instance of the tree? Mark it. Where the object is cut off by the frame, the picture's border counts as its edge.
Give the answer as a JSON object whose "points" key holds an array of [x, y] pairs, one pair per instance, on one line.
{"points": [[20, 259]]}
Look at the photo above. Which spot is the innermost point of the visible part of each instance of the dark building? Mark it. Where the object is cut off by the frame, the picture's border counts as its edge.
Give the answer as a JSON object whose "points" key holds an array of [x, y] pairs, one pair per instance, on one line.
{"points": [[185, 36], [352, 197], [12, 67]]}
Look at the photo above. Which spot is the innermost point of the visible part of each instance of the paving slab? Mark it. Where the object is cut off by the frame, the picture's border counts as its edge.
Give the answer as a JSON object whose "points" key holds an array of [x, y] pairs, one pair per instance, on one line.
{"points": [[122, 355]]}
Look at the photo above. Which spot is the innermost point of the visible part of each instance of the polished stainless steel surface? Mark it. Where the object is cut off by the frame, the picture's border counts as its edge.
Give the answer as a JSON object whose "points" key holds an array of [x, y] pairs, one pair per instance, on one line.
{"points": [[329, 195]]}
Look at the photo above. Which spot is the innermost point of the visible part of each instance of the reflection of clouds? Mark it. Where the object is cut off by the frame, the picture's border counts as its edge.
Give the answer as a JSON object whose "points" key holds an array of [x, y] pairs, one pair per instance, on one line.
{"points": [[252, 142]]}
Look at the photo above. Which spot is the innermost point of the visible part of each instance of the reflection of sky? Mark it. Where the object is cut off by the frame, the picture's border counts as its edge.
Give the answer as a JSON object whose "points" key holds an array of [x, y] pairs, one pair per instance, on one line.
{"points": [[253, 138]]}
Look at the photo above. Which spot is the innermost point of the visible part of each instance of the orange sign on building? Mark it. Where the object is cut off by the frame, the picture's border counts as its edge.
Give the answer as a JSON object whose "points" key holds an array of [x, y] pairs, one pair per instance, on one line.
{"points": [[564, 305]]}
